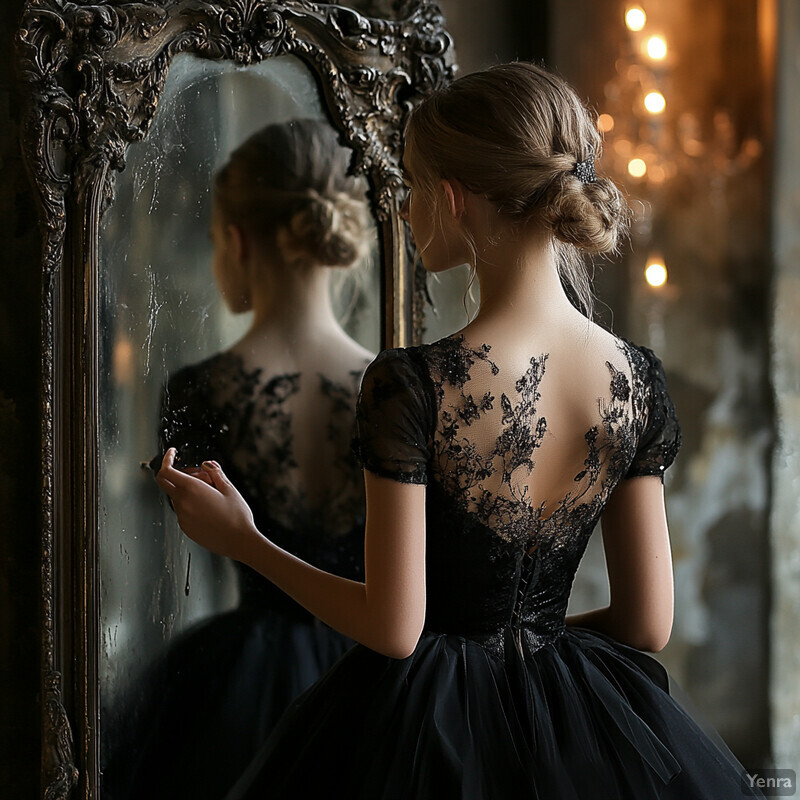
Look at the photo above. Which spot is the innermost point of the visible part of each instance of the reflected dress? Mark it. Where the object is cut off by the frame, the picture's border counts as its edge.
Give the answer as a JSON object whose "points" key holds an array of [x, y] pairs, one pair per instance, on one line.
{"points": [[221, 687], [500, 699]]}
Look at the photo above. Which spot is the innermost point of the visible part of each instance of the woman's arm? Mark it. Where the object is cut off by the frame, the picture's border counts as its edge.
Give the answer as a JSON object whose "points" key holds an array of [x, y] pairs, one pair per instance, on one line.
{"points": [[386, 612], [639, 563]]}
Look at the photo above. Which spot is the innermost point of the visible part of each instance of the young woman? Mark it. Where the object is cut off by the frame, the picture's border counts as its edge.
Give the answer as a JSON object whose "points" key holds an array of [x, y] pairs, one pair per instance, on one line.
{"points": [[489, 457]]}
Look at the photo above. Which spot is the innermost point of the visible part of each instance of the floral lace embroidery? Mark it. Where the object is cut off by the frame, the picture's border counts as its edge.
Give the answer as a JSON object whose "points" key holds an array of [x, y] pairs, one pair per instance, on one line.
{"points": [[220, 409], [492, 482]]}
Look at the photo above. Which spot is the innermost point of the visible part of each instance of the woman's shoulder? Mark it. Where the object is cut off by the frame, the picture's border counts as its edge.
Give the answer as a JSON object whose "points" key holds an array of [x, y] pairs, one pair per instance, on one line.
{"points": [[644, 362], [430, 362], [209, 368], [397, 364], [401, 377], [207, 377], [447, 358]]}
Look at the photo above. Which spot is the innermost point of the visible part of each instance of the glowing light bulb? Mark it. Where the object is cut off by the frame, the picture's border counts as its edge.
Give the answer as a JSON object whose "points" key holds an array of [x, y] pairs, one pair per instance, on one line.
{"points": [[635, 18], [605, 123], [654, 102], [637, 168], [656, 47], [655, 273]]}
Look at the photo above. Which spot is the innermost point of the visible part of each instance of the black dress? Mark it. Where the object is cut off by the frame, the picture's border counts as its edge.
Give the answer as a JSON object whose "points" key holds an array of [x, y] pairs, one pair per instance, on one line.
{"points": [[500, 700], [205, 708]]}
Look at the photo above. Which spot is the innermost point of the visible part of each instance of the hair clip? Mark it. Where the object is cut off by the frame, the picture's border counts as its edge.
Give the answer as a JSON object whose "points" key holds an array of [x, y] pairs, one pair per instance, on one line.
{"points": [[584, 170]]}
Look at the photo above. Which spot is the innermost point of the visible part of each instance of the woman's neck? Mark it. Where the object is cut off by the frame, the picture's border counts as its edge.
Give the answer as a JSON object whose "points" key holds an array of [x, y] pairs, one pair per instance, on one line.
{"points": [[293, 304], [520, 288]]}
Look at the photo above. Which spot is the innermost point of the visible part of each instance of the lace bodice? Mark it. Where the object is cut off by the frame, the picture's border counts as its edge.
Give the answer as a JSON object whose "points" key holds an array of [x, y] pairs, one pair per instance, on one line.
{"points": [[285, 442], [518, 470]]}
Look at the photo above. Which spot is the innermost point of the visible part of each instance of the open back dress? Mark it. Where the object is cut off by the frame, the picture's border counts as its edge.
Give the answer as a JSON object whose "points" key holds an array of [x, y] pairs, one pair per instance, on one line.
{"points": [[501, 700]]}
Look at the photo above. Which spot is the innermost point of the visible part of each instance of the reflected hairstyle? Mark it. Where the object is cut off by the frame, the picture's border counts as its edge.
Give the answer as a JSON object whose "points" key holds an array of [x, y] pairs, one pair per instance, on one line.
{"points": [[288, 187], [514, 133]]}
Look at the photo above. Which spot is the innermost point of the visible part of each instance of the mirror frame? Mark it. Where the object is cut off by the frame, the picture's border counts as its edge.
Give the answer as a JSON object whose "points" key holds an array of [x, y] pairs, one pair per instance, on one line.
{"points": [[92, 74]]}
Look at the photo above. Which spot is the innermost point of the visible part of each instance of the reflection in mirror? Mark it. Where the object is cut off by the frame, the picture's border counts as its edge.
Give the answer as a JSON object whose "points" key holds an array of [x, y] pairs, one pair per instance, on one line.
{"points": [[452, 301], [239, 309]]}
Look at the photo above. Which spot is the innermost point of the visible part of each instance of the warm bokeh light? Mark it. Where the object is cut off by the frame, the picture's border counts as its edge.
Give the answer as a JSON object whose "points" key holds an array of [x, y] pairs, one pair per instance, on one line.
{"points": [[635, 73], [656, 174], [656, 47], [752, 148], [654, 102], [623, 147], [637, 168], [655, 273], [635, 18], [605, 123], [694, 148], [122, 361]]}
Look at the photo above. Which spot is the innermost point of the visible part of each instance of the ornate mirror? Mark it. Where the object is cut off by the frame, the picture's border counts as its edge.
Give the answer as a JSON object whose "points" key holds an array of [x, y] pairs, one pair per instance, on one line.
{"points": [[136, 112]]}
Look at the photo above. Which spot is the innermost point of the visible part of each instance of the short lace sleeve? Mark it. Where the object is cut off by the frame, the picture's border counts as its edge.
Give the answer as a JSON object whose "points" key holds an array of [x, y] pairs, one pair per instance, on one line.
{"points": [[394, 420], [660, 438]]}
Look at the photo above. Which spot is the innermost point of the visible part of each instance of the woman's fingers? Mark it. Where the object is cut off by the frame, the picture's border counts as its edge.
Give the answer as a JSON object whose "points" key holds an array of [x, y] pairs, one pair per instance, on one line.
{"points": [[218, 477], [179, 484], [169, 478], [167, 463], [200, 474]]}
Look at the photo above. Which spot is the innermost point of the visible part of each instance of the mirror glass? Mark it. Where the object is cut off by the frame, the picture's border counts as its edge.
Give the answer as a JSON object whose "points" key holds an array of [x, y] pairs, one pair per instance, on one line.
{"points": [[451, 301], [239, 306]]}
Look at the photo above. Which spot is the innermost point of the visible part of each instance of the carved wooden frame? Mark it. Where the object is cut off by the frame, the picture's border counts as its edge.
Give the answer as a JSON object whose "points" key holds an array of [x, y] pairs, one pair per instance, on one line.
{"points": [[93, 73]]}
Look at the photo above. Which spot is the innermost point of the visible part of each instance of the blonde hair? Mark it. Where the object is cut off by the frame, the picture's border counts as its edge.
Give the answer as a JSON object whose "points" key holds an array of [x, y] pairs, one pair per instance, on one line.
{"points": [[287, 185], [514, 134]]}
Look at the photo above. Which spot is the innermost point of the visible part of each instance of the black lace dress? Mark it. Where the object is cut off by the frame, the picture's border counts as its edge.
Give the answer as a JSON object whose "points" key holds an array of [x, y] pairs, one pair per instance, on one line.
{"points": [[223, 685], [500, 700]]}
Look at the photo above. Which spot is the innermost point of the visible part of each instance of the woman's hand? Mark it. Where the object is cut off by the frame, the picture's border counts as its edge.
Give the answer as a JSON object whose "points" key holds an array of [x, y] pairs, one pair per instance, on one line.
{"points": [[209, 508], [198, 472]]}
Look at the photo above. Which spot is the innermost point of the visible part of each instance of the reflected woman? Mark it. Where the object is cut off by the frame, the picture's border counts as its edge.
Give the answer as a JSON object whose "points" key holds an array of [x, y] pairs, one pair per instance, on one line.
{"points": [[277, 410]]}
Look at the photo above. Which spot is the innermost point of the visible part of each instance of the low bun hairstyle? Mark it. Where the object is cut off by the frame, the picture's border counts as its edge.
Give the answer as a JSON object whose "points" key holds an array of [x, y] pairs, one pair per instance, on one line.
{"points": [[591, 216], [288, 187], [514, 134]]}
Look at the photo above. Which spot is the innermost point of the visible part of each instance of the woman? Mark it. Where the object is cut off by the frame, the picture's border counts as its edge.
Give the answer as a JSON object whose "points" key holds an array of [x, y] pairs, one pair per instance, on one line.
{"points": [[489, 457], [276, 409]]}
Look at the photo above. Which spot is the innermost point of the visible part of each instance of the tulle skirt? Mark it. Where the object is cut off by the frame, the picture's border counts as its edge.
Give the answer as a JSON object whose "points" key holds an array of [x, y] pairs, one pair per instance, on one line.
{"points": [[582, 718], [200, 714]]}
